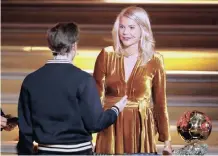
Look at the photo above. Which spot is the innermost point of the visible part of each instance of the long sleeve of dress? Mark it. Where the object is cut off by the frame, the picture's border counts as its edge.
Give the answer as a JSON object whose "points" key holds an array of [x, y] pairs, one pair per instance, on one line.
{"points": [[99, 73], [25, 144], [160, 102]]}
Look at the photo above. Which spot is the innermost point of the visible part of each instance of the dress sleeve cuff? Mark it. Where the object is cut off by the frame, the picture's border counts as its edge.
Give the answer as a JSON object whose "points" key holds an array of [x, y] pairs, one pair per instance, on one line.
{"points": [[163, 138]]}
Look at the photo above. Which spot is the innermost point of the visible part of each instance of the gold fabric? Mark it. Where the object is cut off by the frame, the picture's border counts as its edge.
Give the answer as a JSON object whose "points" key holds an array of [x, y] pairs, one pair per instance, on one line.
{"points": [[135, 128]]}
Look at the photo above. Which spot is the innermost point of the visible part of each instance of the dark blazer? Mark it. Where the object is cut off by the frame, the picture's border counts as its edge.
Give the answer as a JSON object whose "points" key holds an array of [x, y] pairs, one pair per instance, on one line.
{"points": [[59, 105]]}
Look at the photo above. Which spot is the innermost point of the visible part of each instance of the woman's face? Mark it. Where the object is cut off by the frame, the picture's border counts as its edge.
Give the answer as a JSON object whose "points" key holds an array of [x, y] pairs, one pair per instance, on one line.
{"points": [[129, 31]]}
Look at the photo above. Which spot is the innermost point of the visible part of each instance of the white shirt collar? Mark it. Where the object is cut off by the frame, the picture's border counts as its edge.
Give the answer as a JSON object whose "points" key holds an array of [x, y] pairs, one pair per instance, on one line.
{"points": [[59, 61]]}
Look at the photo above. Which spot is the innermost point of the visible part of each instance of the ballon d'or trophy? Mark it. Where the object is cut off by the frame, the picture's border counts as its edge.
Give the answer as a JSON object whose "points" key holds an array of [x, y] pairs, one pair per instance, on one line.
{"points": [[193, 127]]}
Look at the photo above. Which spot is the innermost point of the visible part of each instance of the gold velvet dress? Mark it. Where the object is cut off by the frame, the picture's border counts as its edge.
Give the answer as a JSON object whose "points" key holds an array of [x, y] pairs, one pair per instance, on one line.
{"points": [[135, 128]]}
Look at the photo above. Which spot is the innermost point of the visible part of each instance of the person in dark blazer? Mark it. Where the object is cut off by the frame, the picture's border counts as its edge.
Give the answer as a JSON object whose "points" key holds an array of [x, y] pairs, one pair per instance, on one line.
{"points": [[59, 106]]}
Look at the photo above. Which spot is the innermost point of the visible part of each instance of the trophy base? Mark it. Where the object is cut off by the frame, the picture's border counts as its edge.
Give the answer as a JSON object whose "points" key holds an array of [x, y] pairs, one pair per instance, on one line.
{"points": [[192, 149]]}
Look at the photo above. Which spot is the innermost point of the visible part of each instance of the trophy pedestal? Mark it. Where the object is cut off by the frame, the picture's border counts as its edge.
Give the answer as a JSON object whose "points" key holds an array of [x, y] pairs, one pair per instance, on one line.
{"points": [[192, 149]]}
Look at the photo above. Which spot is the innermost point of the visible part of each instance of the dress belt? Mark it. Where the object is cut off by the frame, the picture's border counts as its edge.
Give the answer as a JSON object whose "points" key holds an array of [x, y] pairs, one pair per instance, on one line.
{"points": [[109, 101]]}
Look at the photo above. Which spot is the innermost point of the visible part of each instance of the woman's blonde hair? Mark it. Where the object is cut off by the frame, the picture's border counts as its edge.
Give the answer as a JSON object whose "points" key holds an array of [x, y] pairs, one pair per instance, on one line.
{"points": [[147, 44]]}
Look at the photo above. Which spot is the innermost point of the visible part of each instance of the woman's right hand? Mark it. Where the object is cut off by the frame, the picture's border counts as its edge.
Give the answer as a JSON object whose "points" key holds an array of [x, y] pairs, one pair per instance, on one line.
{"points": [[167, 148], [122, 103]]}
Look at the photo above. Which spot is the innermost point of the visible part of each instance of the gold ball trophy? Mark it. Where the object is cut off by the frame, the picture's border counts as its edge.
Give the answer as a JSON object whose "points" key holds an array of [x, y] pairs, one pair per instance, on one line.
{"points": [[193, 127]]}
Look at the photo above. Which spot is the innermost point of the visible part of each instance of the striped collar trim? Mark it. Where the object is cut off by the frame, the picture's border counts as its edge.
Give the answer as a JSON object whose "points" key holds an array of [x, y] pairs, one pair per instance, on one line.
{"points": [[59, 61]]}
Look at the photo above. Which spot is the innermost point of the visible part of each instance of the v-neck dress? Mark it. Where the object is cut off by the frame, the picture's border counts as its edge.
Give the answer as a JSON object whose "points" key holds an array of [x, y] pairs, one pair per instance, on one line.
{"points": [[146, 110]]}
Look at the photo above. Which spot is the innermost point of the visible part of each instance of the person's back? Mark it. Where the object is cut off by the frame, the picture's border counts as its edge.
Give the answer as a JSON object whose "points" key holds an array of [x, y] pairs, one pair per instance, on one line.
{"points": [[59, 106], [55, 109]]}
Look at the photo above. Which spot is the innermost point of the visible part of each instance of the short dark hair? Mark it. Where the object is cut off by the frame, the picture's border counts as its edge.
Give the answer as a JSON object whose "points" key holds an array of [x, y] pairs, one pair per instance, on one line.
{"points": [[61, 37]]}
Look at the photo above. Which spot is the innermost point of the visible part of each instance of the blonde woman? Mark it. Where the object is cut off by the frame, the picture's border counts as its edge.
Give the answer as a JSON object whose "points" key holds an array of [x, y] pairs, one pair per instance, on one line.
{"points": [[132, 67]]}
